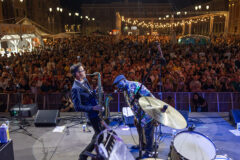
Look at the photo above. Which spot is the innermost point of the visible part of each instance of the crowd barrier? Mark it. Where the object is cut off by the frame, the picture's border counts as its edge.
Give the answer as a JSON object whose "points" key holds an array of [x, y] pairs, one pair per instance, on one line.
{"points": [[217, 101]]}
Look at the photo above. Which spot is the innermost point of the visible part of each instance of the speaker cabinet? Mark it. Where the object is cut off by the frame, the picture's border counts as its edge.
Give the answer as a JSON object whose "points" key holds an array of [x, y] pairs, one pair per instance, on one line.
{"points": [[46, 118], [26, 110], [234, 116], [6, 151]]}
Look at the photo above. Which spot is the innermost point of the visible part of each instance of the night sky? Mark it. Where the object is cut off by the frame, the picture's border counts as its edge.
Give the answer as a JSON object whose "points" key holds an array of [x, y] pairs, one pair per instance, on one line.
{"points": [[178, 4]]}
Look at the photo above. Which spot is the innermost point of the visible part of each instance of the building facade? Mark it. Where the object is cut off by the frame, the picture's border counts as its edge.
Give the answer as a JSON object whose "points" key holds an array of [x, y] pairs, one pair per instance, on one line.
{"points": [[1, 13], [234, 16], [106, 18], [214, 17], [47, 13], [209, 18], [7, 12]]}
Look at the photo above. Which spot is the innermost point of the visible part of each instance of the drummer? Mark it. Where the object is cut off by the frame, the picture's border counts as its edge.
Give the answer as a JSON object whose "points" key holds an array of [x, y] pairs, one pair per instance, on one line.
{"points": [[131, 88]]}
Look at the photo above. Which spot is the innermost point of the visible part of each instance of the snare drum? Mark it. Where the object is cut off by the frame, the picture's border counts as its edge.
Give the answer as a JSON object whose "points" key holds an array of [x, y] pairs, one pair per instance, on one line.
{"points": [[193, 146]]}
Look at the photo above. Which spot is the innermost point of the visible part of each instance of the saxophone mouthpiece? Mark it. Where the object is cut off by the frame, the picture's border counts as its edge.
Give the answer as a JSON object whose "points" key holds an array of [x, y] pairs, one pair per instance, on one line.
{"points": [[93, 74]]}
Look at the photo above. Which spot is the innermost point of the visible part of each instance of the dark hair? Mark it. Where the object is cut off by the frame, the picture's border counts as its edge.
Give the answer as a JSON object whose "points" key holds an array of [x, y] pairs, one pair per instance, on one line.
{"points": [[196, 94], [169, 98], [74, 68]]}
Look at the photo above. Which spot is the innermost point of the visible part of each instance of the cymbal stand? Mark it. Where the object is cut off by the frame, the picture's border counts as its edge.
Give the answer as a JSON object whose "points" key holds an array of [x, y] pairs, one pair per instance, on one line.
{"points": [[140, 111]]}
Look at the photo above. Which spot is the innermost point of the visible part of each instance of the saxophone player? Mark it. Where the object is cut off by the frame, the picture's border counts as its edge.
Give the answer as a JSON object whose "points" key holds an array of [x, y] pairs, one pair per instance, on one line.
{"points": [[84, 100]]}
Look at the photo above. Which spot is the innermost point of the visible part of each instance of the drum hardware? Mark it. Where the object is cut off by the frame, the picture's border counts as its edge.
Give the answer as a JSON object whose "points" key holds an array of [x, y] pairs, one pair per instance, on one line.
{"points": [[192, 145], [186, 144], [162, 113], [192, 127], [222, 157]]}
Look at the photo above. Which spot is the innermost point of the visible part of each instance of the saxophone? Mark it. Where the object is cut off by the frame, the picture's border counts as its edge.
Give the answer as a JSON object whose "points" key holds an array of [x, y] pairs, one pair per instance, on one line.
{"points": [[100, 94], [106, 112]]}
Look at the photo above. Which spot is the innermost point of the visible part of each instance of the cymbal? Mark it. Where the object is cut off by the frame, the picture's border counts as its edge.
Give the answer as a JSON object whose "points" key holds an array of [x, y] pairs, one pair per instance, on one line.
{"points": [[162, 112]]}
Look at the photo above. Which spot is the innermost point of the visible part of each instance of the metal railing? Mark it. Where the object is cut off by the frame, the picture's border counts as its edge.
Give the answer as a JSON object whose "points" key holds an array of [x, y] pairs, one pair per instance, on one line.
{"points": [[217, 101]]}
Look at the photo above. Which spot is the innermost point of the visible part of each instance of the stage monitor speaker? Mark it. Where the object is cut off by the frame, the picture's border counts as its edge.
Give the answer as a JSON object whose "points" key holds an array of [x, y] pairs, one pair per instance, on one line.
{"points": [[27, 110], [184, 114], [46, 118], [234, 116], [6, 151]]}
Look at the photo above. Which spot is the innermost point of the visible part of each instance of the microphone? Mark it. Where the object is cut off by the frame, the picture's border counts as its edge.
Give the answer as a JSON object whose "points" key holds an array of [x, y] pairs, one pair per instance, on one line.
{"points": [[162, 59], [149, 51], [192, 127], [93, 74]]}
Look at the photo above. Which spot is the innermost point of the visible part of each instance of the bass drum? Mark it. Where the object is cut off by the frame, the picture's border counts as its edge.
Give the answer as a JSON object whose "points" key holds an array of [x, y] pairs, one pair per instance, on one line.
{"points": [[191, 145]]}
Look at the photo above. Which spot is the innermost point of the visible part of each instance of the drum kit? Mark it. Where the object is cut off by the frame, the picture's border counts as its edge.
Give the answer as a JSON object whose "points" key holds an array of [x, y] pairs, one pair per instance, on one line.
{"points": [[186, 144]]}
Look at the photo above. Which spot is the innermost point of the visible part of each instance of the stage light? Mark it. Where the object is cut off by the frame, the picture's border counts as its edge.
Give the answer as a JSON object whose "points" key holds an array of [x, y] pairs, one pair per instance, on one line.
{"points": [[50, 9], [69, 14], [58, 8], [207, 7]]}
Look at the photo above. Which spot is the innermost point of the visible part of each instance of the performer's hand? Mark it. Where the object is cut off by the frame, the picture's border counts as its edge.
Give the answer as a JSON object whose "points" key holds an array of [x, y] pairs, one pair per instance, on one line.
{"points": [[155, 123], [101, 89], [71, 105], [98, 108]]}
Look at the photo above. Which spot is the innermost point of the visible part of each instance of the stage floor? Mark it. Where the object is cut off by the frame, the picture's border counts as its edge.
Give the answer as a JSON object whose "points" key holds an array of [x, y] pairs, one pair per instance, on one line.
{"points": [[44, 144]]}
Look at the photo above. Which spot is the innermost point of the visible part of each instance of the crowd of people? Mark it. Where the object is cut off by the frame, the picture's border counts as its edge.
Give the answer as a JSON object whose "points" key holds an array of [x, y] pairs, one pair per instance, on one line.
{"points": [[189, 68]]}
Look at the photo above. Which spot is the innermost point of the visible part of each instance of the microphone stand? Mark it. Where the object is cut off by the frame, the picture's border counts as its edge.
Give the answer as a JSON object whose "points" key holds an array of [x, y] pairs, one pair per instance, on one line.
{"points": [[22, 122], [162, 63], [137, 96]]}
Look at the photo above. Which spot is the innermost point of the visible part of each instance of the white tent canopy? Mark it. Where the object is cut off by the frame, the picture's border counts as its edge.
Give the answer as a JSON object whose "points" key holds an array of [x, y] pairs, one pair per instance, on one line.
{"points": [[16, 41], [17, 37], [22, 36]]}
